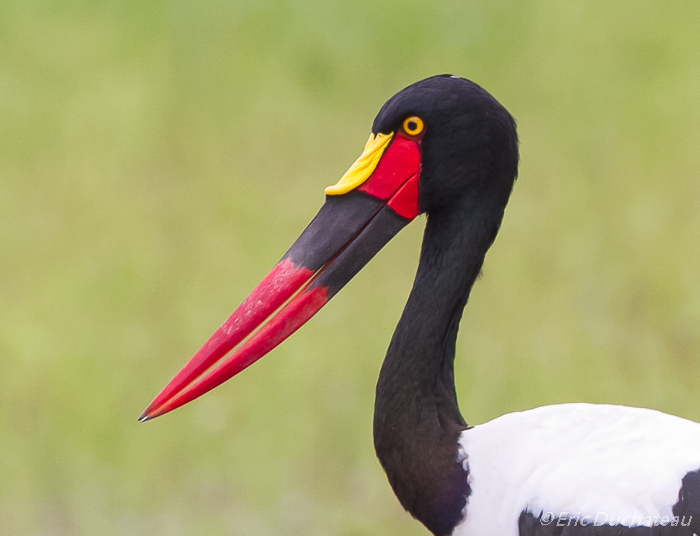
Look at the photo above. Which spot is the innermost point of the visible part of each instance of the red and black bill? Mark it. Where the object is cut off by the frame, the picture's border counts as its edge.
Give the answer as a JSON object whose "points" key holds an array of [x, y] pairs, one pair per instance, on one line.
{"points": [[345, 234]]}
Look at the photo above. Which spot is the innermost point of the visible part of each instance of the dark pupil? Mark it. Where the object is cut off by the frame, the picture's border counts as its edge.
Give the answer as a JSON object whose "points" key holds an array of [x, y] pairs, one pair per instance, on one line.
{"points": [[412, 125]]}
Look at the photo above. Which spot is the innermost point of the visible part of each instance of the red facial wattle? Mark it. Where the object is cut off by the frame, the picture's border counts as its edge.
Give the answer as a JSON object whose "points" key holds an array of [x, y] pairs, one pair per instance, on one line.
{"points": [[395, 178]]}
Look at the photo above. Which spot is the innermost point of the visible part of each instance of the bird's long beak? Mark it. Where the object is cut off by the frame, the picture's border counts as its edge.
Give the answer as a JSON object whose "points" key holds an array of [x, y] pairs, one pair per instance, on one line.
{"points": [[374, 200]]}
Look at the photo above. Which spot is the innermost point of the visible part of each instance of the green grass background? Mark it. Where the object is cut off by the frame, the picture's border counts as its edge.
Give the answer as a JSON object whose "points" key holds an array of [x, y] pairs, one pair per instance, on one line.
{"points": [[156, 160]]}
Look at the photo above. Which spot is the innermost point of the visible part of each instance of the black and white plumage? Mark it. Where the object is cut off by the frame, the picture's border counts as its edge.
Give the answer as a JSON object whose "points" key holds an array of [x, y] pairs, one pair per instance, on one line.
{"points": [[445, 147], [586, 468]]}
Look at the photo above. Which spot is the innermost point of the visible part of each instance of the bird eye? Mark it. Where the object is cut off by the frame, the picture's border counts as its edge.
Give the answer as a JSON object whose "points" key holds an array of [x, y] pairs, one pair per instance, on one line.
{"points": [[413, 125]]}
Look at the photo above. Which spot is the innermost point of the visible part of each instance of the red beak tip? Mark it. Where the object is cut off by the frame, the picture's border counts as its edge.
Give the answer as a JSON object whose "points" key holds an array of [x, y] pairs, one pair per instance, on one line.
{"points": [[149, 414]]}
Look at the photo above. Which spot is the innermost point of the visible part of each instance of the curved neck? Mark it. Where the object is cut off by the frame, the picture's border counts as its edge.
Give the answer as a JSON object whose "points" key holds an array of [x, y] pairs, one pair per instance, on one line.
{"points": [[417, 422]]}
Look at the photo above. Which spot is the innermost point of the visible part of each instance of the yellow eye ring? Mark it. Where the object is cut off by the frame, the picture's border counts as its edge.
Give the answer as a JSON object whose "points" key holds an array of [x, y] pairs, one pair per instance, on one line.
{"points": [[413, 125]]}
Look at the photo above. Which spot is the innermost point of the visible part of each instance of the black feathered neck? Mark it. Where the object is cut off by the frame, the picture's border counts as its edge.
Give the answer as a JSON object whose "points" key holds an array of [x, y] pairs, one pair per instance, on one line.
{"points": [[417, 422], [469, 159]]}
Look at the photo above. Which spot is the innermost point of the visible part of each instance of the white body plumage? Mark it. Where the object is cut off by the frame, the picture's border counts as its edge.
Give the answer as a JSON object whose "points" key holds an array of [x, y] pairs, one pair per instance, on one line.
{"points": [[576, 463]]}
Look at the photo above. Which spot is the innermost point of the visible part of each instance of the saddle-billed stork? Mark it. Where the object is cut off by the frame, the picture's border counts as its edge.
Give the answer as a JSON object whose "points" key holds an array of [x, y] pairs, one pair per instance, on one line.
{"points": [[445, 147]]}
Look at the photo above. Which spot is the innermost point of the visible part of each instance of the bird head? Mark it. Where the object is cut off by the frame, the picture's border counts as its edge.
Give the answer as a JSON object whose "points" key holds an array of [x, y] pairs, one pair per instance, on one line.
{"points": [[434, 144]]}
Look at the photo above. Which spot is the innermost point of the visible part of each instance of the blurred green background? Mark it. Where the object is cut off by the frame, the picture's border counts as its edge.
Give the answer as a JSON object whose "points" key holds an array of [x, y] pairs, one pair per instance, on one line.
{"points": [[156, 160]]}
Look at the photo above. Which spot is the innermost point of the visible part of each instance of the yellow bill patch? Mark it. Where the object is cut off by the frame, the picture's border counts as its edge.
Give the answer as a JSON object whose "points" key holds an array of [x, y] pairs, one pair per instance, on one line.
{"points": [[364, 166]]}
